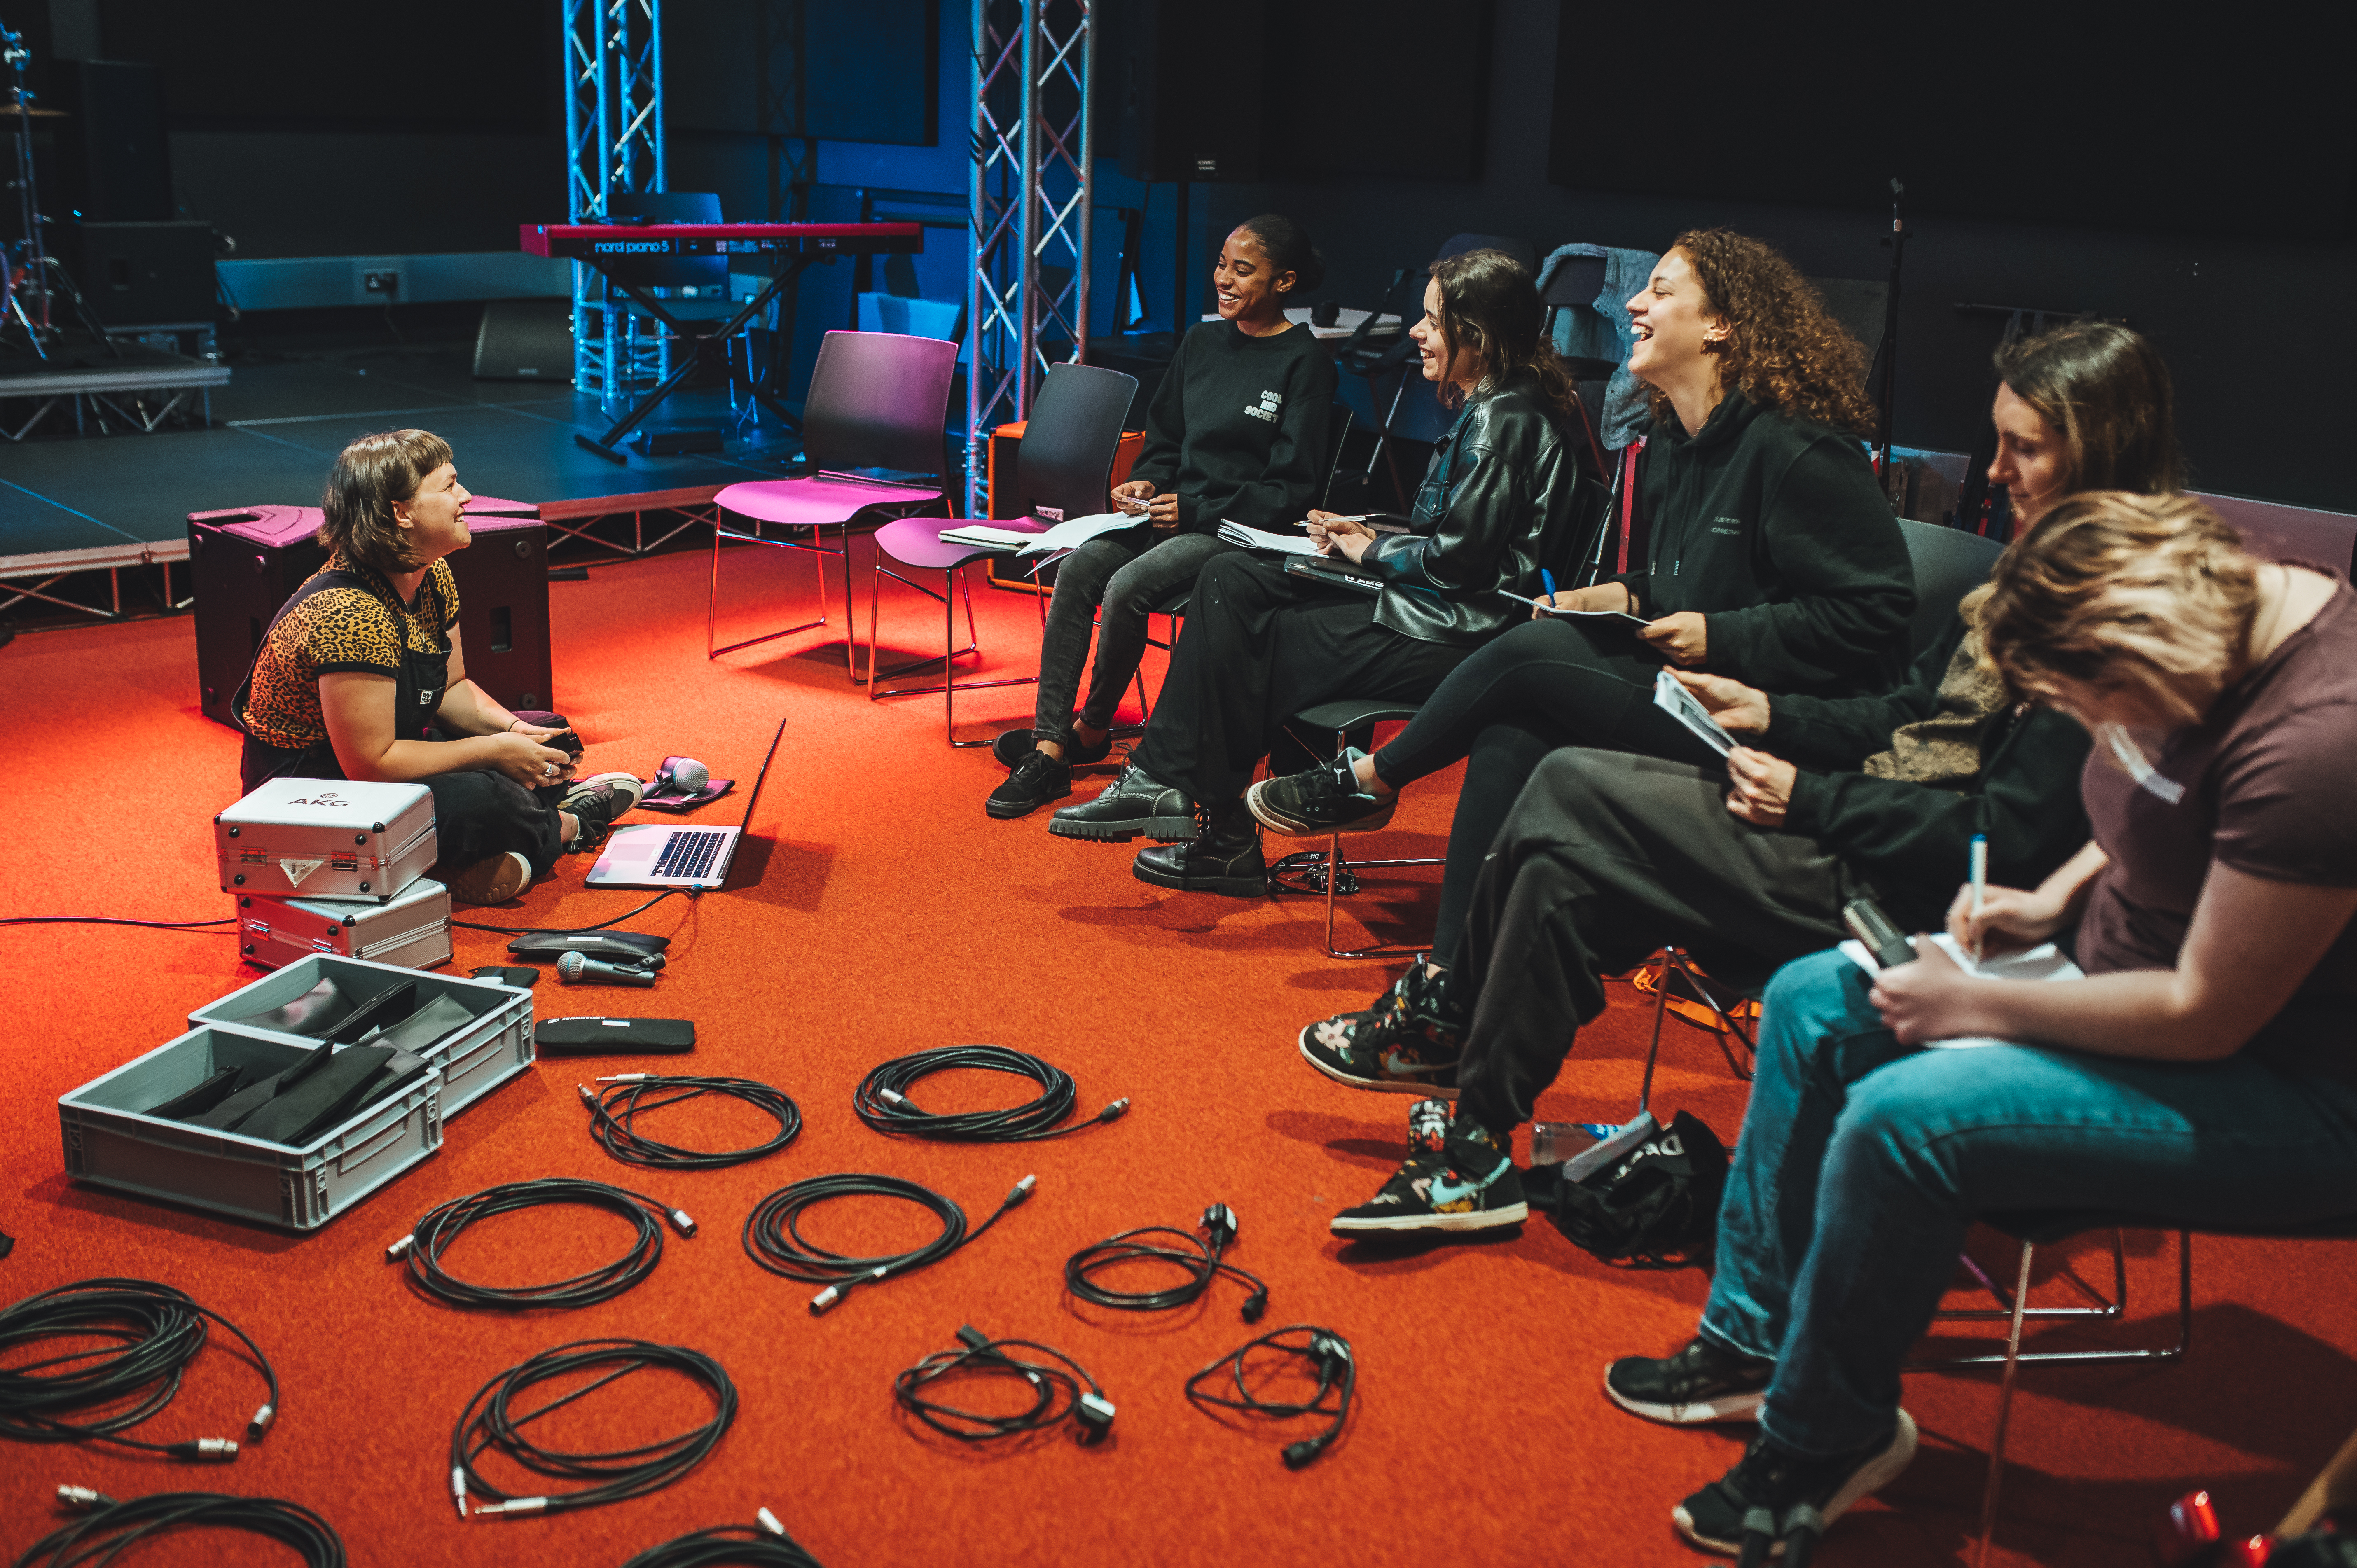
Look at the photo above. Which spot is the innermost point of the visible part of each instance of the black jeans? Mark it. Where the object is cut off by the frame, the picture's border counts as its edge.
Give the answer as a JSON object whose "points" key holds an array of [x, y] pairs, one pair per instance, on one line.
{"points": [[1542, 686], [476, 815], [1258, 647], [1604, 858], [1125, 574]]}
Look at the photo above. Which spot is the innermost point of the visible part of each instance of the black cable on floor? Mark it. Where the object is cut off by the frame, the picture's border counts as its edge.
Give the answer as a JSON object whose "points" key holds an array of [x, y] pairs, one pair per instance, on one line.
{"points": [[766, 1545], [613, 1111], [113, 1528], [1201, 1258], [884, 1101], [1055, 1388], [491, 1420], [159, 1331], [1328, 1355], [773, 1237], [422, 1248], [577, 930], [112, 920]]}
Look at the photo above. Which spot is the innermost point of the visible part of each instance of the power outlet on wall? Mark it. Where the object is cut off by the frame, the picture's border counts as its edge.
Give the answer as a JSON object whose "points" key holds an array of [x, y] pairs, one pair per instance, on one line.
{"points": [[380, 282]]}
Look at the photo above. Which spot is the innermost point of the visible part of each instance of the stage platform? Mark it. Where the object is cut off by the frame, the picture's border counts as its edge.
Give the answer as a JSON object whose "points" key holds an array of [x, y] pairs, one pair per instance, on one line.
{"points": [[74, 505]]}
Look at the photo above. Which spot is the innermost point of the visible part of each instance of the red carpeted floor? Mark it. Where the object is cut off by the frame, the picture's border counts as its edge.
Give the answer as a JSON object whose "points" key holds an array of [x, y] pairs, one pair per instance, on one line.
{"points": [[877, 912]]}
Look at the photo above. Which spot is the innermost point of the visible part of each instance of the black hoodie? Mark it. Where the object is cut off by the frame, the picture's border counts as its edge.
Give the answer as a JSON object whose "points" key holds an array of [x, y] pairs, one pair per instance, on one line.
{"points": [[1238, 427], [1774, 529]]}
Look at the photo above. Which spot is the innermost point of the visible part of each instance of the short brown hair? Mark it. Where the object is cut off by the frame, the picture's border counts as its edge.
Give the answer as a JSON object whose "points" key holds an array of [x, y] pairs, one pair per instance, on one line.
{"points": [[2111, 586], [370, 475], [1783, 350]]}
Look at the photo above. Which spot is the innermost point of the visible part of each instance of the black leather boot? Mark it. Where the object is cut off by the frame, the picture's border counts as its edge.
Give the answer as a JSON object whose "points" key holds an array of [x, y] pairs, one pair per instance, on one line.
{"points": [[1133, 804], [1225, 860]]}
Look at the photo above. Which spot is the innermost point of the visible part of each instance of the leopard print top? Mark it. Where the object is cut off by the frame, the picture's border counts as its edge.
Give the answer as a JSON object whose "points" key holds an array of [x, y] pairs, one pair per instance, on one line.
{"points": [[341, 628]]}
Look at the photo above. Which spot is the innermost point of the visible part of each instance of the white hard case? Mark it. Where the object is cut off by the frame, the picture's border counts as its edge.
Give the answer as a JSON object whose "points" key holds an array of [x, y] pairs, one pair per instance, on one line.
{"points": [[413, 931], [327, 838]]}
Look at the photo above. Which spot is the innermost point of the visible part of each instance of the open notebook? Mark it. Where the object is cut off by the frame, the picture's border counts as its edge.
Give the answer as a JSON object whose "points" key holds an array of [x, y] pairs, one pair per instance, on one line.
{"points": [[2044, 962]]}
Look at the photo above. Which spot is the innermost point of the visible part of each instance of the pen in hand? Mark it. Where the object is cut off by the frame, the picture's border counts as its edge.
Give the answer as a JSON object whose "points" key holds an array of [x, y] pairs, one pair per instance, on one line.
{"points": [[1980, 888]]}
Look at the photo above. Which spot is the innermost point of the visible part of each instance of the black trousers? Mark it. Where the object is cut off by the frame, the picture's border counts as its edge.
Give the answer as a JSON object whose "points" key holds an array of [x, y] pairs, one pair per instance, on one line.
{"points": [[1604, 858], [1259, 646], [1543, 685], [476, 815]]}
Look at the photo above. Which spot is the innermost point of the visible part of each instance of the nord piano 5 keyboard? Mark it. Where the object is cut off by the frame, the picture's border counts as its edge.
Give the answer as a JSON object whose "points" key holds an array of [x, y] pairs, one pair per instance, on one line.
{"points": [[606, 246]]}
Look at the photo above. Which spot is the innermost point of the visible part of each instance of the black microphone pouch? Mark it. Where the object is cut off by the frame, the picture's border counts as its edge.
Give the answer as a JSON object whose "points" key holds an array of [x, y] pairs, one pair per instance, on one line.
{"points": [[313, 1012], [627, 947], [204, 1097], [614, 1036]]}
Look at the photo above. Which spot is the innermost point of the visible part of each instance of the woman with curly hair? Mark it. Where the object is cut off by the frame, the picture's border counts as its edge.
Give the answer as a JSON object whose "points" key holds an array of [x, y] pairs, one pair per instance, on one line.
{"points": [[1775, 560]]}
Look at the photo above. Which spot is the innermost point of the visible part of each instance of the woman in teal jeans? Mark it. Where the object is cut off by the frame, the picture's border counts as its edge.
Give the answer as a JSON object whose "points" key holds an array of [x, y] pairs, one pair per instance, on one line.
{"points": [[2203, 1071]]}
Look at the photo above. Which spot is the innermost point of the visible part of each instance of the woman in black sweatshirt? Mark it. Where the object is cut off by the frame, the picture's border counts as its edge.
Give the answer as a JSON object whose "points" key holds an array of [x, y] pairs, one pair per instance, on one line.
{"points": [[1774, 559], [1236, 432]]}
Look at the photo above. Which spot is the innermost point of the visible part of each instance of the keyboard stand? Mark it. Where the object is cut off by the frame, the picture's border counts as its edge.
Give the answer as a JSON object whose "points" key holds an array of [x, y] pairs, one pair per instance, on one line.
{"points": [[702, 347]]}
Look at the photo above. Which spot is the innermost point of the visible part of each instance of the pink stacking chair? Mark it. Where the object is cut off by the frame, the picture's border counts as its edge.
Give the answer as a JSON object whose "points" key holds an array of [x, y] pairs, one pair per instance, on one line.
{"points": [[872, 430], [1063, 469]]}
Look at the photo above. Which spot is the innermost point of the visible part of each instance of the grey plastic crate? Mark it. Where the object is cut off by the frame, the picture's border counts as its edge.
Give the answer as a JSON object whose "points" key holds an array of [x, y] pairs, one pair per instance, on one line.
{"points": [[474, 1060], [108, 1142]]}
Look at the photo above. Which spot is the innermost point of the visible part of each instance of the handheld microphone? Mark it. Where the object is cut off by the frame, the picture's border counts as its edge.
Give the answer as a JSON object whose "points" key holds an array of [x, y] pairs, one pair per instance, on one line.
{"points": [[690, 775], [574, 970]]}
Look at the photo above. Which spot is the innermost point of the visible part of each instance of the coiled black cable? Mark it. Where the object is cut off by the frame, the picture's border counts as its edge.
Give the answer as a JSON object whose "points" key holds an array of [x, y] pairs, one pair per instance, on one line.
{"points": [[1202, 1259], [422, 1248], [773, 1237], [1328, 1355], [730, 1546], [113, 1528], [490, 1421], [160, 1331], [884, 1103], [613, 1110], [1056, 1392]]}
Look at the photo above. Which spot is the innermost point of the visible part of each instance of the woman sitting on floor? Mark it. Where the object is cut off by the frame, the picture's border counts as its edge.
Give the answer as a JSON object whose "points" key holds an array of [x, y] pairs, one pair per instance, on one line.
{"points": [[1499, 501], [2201, 1073], [362, 677], [1237, 432], [1753, 477]]}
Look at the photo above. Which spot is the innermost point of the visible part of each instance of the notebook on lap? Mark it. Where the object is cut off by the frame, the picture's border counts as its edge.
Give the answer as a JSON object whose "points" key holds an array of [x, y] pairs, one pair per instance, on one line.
{"points": [[663, 855]]}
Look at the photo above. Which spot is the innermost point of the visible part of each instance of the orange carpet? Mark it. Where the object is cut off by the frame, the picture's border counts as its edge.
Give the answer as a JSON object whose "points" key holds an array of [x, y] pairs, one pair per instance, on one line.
{"points": [[877, 912]]}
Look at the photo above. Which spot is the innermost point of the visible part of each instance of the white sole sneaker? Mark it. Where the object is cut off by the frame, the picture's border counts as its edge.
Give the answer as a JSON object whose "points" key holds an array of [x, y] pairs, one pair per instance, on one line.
{"points": [[1867, 1479], [1725, 1407], [630, 784]]}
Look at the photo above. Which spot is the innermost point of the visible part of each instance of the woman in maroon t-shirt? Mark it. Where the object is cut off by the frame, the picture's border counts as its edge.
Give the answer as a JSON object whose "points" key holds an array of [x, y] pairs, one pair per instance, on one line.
{"points": [[2203, 1071]]}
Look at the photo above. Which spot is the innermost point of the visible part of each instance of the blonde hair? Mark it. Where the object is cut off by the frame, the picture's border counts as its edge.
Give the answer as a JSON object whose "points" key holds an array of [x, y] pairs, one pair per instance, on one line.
{"points": [[370, 475], [2112, 587]]}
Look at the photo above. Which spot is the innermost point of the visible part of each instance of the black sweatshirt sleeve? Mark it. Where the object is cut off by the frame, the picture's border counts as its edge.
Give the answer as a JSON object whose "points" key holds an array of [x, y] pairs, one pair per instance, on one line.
{"points": [[1912, 841], [1838, 733], [1829, 536], [1289, 487], [1166, 427]]}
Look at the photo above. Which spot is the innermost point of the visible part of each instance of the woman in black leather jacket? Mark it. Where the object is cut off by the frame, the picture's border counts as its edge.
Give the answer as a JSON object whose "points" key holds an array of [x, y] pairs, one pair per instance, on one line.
{"points": [[1774, 560], [1500, 498]]}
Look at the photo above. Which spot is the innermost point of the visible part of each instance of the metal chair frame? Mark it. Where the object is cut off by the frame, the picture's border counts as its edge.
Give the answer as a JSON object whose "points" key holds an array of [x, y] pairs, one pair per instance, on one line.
{"points": [[1329, 871], [953, 581], [815, 545]]}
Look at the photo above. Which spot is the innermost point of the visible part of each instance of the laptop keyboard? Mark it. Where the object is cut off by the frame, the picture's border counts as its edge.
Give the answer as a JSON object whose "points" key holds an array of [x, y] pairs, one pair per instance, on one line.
{"points": [[689, 853]]}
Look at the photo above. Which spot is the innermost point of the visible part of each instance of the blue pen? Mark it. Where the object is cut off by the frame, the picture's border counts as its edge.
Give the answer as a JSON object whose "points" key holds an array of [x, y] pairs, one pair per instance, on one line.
{"points": [[1546, 580]]}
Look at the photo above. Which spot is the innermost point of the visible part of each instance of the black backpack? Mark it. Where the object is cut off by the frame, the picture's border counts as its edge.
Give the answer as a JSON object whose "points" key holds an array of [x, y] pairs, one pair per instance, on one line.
{"points": [[1658, 1208]]}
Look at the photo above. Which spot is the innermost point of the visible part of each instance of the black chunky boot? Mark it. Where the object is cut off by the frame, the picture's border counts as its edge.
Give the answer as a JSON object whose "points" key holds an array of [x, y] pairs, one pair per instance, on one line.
{"points": [[1225, 859]]}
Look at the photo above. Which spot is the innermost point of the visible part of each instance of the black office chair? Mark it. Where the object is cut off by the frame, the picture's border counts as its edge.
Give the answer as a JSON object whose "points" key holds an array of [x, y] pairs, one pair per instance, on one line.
{"points": [[1949, 563], [2037, 1229], [1063, 469]]}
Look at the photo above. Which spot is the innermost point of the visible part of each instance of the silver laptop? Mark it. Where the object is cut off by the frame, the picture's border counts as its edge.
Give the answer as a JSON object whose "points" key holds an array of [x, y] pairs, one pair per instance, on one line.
{"points": [[660, 855]]}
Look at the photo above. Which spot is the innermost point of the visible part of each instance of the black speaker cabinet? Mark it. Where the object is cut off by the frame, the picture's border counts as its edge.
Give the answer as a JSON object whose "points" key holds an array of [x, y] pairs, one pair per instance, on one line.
{"points": [[1182, 99], [114, 162], [141, 274], [524, 340], [246, 561]]}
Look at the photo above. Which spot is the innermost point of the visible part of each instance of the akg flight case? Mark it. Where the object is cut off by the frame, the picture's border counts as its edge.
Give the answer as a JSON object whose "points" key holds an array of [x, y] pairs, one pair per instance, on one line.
{"points": [[413, 931], [327, 838]]}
